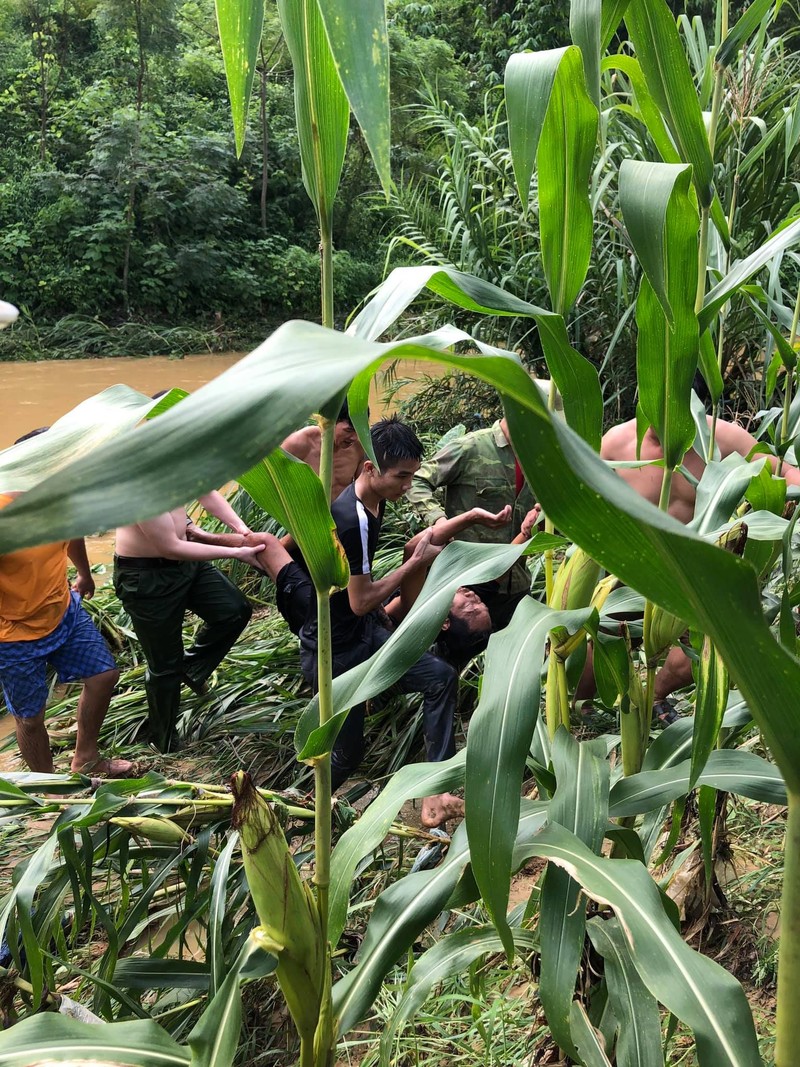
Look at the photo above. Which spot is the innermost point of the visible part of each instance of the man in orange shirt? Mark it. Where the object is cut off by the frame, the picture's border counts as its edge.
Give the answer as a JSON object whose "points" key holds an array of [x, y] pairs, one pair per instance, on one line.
{"points": [[43, 622]]}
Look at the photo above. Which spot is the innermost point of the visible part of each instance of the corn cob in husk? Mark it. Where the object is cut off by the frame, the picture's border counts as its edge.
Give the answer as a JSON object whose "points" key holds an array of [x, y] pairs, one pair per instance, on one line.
{"points": [[157, 829], [575, 582], [290, 923]]}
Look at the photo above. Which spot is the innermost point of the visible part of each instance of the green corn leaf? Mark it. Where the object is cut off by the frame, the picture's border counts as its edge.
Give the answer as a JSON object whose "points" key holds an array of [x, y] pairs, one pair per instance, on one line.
{"points": [[413, 781], [709, 367], [172, 459], [741, 272], [240, 23], [460, 563], [564, 164], [398, 915], [216, 916], [215, 1038], [663, 223], [500, 735], [586, 27], [20, 897], [645, 193], [360, 49], [321, 107], [740, 772], [663, 60], [88, 427], [452, 955], [552, 120], [136, 972], [694, 988], [720, 490], [529, 79], [613, 13], [289, 490], [712, 694], [580, 804], [576, 378], [588, 1041], [407, 907], [648, 109], [706, 812], [54, 1038], [634, 1006], [744, 27]]}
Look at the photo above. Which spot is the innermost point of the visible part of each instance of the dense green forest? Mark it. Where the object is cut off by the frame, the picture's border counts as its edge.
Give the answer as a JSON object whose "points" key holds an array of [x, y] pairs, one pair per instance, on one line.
{"points": [[121, 197]]}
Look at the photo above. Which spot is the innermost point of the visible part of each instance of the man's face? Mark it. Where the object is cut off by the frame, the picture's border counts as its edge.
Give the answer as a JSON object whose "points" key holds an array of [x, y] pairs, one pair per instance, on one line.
{"points": [[392, 483], [468, 606], [344, 436]]}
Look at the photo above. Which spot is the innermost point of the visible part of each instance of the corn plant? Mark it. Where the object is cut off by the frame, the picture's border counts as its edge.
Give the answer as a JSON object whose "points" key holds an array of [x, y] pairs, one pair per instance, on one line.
{"points": [[98, 469]]}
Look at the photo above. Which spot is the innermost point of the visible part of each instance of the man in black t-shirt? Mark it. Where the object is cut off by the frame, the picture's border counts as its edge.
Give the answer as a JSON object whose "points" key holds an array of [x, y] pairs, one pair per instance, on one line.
{"points": [[357, 631]]}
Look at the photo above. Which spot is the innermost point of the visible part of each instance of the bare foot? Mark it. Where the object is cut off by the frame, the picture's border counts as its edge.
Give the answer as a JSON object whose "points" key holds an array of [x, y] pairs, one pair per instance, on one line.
{"points": [[107, 768], [438, 809]]}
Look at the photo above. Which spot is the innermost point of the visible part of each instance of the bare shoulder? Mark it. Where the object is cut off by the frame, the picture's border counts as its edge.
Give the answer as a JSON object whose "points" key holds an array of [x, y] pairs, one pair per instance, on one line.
{"points": [[302, 443], [619, 442], [730, 438]]}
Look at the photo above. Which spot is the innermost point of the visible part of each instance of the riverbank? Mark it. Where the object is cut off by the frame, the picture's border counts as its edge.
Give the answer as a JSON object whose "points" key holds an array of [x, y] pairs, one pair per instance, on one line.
{"points": [[88, 337]]}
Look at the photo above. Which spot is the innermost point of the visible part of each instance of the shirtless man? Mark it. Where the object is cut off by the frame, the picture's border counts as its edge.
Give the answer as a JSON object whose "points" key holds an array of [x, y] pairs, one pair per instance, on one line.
{"points": [[348, 455], [619, 444], [159, 574]]}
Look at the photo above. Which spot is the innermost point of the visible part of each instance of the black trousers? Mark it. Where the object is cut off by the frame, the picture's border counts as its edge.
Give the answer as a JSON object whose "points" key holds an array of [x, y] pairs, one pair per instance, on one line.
{"points": [[430, 675], [157, 594]]}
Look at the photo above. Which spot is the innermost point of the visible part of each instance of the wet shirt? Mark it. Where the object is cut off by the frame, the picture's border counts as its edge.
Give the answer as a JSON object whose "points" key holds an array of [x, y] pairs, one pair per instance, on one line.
{"points": [[34, 592], [358, 530], [475, 470]]}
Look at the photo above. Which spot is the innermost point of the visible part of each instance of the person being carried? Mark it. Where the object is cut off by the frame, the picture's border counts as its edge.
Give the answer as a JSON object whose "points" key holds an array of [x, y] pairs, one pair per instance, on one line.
{"points": [[348, 455], [479, 469], [619, 444], [356, 626], [162, 569], [43, 623], [468, 626]]}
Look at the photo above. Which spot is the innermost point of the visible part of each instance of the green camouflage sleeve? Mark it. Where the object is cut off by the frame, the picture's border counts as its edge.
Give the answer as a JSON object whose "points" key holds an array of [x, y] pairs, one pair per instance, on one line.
{"points": [[434, 473]]}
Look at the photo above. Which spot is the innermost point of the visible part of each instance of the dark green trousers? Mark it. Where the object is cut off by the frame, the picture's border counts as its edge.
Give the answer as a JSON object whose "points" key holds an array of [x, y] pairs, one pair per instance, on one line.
{"points": [[157, 594]]}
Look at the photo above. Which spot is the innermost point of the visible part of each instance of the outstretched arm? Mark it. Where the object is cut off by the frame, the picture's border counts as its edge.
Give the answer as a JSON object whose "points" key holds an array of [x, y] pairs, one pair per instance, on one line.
{"points": [[365, 595], [161, 534], [443, 531], [216, 504]]}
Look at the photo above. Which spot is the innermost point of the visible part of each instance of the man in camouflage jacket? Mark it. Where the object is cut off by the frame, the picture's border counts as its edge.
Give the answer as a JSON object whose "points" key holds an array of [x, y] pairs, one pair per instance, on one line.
{"points": [[479, 469]]}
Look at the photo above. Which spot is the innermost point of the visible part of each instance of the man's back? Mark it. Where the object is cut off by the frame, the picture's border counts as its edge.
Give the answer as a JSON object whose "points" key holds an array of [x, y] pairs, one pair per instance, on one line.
{"points": [[619, 444]]}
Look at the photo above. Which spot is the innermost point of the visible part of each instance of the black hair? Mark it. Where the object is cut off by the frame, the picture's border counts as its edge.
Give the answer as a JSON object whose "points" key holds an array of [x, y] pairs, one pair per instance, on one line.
{"points": [[393, 442], [458, 644], [31, 433], [344, 415]]}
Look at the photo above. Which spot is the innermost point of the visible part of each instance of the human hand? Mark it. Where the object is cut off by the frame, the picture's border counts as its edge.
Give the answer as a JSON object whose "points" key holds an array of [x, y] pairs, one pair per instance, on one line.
{"points": [[533, 518], [425, 551], [249, 554], [493, 520], [84, 586]]}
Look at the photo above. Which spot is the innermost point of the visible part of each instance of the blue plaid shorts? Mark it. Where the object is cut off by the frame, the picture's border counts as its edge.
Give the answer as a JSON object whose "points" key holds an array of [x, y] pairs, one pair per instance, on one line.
{"points": [[75, 649]]}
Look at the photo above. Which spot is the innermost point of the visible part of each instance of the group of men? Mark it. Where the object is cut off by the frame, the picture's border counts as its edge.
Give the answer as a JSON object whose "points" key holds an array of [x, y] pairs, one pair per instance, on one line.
{"points": [[472, 489]]}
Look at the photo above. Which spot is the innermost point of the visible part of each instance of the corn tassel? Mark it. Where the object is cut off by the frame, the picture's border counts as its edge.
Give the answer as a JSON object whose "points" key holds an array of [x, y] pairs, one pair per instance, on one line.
{"points": [[290, 922]]}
